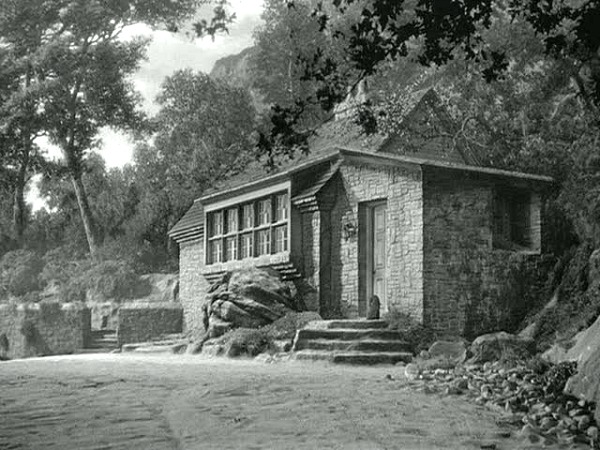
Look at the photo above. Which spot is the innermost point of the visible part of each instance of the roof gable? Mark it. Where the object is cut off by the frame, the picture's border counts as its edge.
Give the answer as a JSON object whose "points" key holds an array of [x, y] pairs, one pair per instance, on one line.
{"points": [[427, 131]]}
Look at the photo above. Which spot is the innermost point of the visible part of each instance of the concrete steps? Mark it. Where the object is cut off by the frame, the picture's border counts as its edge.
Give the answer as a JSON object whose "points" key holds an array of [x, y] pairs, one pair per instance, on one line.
{"points": [[350, 342], [367, 345], [101, 341]]}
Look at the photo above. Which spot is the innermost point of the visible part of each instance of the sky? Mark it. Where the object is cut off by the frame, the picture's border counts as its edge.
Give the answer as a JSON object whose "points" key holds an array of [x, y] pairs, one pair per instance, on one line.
{"points": [[167, 53]]}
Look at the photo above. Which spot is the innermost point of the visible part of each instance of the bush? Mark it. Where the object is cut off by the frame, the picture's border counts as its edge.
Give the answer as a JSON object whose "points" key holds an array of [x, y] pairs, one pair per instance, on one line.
{"points": [[63, 264], [28, 329], [578, 300], [19, 271], [244, 342], [286, 327], [111, 280], [104, 280], [416, 335]]}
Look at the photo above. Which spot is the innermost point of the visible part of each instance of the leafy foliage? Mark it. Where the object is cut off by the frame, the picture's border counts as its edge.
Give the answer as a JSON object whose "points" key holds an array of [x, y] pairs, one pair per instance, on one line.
{"points": [[417, 336], [244, 342], [19, 271], [76, 69]]}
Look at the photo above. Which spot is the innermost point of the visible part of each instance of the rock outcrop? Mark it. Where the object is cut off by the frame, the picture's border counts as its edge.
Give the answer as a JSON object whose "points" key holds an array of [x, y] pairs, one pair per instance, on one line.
{"points": [[248, 298], [501, 345], [585, 384]]}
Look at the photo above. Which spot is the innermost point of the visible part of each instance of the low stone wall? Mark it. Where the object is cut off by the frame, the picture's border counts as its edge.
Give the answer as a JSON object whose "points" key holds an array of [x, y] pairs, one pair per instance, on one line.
{"points": [[43, 329], [140, 322]]}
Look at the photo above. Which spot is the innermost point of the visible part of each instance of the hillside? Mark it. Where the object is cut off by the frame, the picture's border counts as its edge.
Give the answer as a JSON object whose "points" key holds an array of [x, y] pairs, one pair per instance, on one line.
{"points": [[235, 70]]}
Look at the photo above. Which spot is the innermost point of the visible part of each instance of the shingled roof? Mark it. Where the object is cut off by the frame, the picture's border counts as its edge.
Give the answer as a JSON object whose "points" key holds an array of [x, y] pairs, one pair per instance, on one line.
{"points": [[339, 131], [191, 225]]}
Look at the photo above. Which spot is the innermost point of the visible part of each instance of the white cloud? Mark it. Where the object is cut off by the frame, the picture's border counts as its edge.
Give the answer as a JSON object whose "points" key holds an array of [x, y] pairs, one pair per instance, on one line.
{"points": [[117, 148]]}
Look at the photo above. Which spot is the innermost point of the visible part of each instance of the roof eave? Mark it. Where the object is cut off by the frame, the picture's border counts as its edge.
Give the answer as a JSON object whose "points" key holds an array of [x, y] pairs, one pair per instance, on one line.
{"points": [[267, 180], [408, 160]]}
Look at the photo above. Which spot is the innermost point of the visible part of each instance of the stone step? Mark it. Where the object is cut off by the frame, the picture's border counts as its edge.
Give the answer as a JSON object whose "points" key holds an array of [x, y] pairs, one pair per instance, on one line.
{"points": [[372, 358], [361, 345], [153, 348], [88, 350], [358, 358], [348, 334], [106, 339], [353, 324]]}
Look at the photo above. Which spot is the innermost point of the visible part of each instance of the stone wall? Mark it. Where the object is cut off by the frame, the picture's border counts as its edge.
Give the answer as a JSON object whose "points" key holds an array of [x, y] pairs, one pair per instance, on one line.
{"points": [[465, 279], [141, 322], [401, 188], [43, 329], [193, 285], [306, 244]]}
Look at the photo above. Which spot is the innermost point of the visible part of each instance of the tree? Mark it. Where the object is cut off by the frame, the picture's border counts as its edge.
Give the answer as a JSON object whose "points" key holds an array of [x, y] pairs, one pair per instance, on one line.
{"points": [[19, 126], [77, 68], [435, 33], [203, 134]]}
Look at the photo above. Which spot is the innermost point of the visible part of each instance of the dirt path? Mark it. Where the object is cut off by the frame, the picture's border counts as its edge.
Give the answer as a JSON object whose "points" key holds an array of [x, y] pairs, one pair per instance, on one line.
{"points": [[184, 402]]}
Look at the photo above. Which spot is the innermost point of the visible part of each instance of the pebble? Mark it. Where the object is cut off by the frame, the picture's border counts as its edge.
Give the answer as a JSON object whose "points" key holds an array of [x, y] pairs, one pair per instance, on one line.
{"points": [[548, 417]]}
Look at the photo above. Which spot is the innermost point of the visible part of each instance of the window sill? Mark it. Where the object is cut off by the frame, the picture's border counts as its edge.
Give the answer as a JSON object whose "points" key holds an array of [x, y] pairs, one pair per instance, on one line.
{"points": [[264, 260]]}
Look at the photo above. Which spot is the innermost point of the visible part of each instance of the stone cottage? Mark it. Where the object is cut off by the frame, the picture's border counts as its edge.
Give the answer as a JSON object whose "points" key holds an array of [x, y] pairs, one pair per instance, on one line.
{"points": [[411, 218]]}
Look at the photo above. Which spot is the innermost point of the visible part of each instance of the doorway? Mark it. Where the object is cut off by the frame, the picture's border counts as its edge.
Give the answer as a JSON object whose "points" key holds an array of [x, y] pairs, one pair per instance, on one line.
{"points": [[373, 254]]}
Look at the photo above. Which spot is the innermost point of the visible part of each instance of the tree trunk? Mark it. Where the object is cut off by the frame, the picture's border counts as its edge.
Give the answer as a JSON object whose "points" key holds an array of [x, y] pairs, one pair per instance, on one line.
{"points": [[19, 203], [86, 214]]}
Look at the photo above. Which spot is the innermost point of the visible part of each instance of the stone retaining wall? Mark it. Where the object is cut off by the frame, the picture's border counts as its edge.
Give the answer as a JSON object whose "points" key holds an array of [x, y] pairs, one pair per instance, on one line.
{"points": [[141, 322], [43, 329]]}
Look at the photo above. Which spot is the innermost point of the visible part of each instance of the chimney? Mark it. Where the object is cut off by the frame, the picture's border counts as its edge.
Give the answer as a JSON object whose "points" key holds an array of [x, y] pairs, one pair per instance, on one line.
{"points": [[355, 97]]}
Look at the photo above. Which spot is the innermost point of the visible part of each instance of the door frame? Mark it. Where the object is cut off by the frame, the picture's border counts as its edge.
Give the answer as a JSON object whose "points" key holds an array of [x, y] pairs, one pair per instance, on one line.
{"points": [[366, 254]]}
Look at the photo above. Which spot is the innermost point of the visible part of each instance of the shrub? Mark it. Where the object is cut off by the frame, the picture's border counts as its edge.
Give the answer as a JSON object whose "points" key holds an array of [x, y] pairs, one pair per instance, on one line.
{"points": [[50, 311], [416, 335], [244, 342], [29, 330], [19, 271], [111, 280], [104, 280], [286, 327], [63, 264], [578, 300]]}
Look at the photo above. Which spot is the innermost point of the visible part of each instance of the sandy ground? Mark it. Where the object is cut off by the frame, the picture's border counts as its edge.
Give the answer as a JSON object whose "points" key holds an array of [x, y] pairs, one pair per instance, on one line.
{"points": [[186, 402]]}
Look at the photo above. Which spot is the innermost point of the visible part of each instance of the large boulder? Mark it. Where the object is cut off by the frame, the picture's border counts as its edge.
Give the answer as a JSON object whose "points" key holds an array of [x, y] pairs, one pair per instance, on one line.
{"points": [[585, 383], [580, 348], [500, 346], [455, 351], [248, 298], [586, 351]]}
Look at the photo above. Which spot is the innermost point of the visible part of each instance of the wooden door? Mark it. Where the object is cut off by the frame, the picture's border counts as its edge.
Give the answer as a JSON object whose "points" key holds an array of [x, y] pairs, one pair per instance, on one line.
{"points": [[378, 254]]}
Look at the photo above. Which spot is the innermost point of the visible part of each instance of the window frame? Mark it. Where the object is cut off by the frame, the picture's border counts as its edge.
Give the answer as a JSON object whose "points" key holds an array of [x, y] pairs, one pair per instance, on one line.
{"points": [[278, 207], [512, 221]]}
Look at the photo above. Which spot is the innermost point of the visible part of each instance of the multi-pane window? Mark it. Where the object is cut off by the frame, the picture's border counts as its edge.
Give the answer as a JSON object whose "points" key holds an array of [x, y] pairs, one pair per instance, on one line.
{"points": [[216, 250], [264, 242], [215, 242], [232, 220], [247, 245], [249, 230], [217, 224], [281, 207], [264, 212], [281, 239], [231, 244], [248, 216]]}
